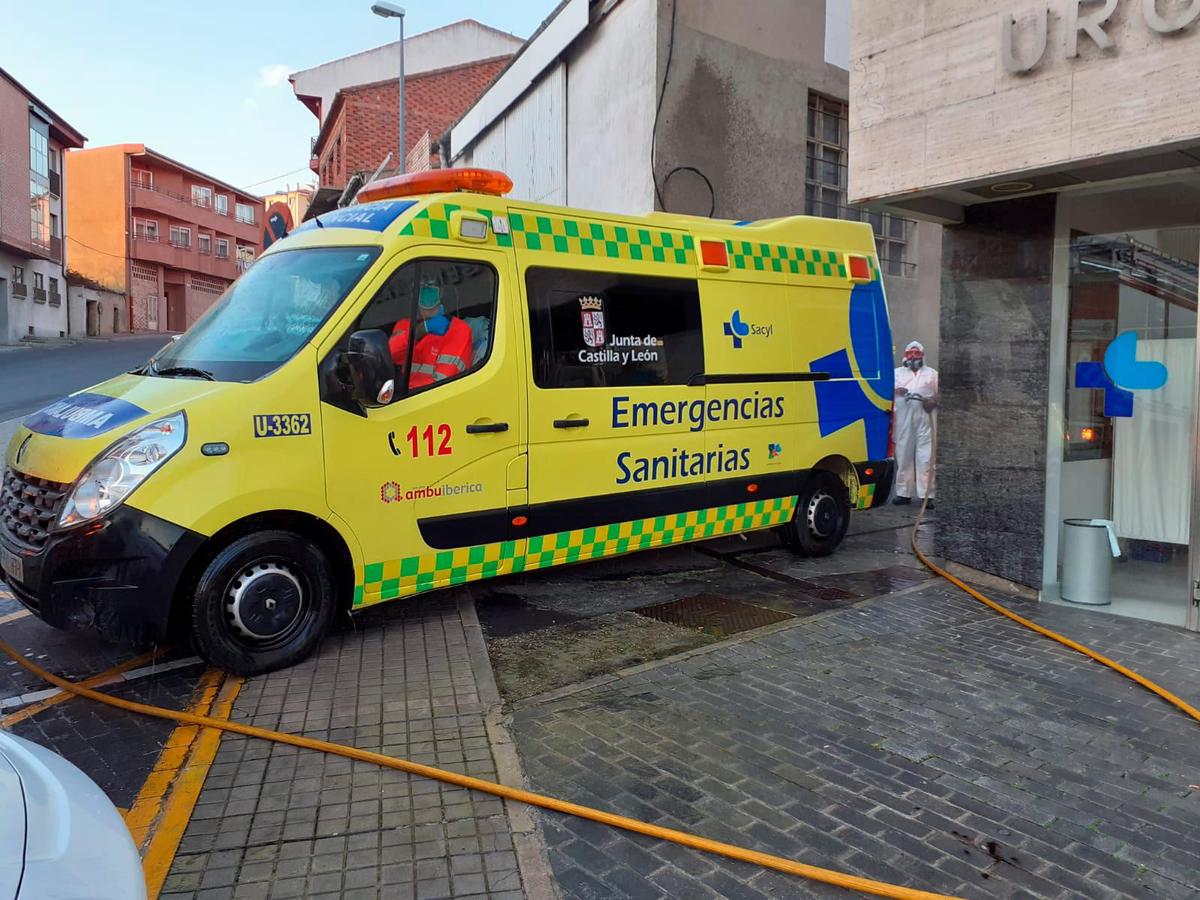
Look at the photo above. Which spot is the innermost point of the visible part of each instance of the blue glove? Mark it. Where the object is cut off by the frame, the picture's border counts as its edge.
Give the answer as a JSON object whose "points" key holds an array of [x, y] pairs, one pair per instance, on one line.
{"points": [[437, 324]]}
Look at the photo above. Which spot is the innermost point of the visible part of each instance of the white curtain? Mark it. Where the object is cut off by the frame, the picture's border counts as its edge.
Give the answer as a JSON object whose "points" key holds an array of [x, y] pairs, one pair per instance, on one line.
{"points": [[1152, 455]]}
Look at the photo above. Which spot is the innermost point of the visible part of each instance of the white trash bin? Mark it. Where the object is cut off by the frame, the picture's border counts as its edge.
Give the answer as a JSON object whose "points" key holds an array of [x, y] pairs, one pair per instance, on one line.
{"points": [[1089, 547]]}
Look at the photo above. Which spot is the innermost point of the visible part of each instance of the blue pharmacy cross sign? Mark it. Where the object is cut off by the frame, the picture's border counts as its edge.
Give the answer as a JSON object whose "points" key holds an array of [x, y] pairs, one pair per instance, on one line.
{"points": [[1120, 375]]}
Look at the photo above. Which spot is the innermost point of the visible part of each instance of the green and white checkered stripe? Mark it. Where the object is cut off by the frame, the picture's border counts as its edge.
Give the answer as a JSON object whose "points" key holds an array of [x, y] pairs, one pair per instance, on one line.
{"points": [[760, 257], [583, 237], [416, 574], [433, 221]]}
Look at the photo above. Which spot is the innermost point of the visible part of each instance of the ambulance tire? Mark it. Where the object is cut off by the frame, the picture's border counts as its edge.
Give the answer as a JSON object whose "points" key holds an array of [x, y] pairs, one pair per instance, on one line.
{"points": [[263, 603], [822, 517]]}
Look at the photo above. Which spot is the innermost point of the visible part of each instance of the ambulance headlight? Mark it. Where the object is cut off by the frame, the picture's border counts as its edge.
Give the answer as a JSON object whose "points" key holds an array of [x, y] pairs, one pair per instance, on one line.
{"points": [[115, 473]]}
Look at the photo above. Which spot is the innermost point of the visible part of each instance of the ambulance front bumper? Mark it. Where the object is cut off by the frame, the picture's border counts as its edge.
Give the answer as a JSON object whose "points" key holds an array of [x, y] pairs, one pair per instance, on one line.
{"points": [[115, 577]]}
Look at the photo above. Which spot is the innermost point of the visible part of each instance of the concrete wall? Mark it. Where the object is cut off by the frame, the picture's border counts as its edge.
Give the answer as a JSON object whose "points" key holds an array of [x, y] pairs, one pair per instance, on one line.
{"points": [[529, 144], [452, 45], [736, 104], [610, 111], [98, 321], [928, 81], [995, 356], [914, 298]]}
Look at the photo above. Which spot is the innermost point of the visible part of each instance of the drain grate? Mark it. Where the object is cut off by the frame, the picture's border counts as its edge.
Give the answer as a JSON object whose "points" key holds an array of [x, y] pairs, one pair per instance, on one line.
{"points": [[713, 614]]}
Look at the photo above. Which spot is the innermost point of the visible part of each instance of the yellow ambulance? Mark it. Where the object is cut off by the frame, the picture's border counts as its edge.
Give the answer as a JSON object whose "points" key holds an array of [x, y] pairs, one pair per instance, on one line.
{"points": [[438, 385]]}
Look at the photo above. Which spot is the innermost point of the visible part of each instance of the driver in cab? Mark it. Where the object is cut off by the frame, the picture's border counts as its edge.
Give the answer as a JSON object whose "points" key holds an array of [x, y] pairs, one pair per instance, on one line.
{"points": [[443, 349]]}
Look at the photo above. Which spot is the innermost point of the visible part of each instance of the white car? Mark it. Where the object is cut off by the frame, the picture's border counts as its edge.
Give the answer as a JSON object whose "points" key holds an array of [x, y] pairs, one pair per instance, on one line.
{"points": [[60, 836]]}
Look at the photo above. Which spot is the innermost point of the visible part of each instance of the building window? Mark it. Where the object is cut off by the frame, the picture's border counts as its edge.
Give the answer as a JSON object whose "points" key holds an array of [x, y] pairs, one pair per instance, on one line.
{"points": [[181, 237], [825, 184], [18, 274], [39, 181], [53, 285], [39, 281], [204, 243], [222, 248], [52, 160], [53, 225], [222, 204], [825, 177], [142, 178], [145, 230], [245, 213], [202, 196]]}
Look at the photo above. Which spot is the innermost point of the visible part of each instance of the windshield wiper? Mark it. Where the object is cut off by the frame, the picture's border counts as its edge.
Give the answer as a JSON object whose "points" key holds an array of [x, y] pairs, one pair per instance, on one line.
{"points": [[171, 371]]}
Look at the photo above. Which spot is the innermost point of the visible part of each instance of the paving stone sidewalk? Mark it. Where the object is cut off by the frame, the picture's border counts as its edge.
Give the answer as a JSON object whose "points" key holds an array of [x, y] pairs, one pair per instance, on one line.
{"points": [[279, 822], [918, 739]]}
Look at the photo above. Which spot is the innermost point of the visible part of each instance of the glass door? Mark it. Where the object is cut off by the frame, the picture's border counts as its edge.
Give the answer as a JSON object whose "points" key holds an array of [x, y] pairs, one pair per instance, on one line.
{"points": [[1129, 417]]}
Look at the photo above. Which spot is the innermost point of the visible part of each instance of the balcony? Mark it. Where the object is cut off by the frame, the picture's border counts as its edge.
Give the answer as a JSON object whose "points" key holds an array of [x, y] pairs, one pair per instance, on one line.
{"points": [[56, 247], [55, 298], [197, 212], [55, 183], [20, 289], [152, 249], [39, 295]]}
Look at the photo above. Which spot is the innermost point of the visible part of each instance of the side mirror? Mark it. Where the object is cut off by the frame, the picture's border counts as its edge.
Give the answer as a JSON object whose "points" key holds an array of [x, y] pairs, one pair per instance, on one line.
{"points": [[368, 360]]}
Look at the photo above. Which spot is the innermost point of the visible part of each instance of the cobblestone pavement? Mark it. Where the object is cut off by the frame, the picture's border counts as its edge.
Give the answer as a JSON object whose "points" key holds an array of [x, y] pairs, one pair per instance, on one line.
{"points": [[918, 738], [275, 821]]}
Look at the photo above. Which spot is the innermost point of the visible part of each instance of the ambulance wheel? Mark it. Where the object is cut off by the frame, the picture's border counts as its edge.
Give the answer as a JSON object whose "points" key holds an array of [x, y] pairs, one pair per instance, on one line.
{"points": [[262, 603], [822, 516]]}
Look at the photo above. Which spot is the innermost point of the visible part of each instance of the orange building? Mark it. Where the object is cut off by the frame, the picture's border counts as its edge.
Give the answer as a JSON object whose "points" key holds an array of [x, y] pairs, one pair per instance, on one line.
{"points": [[167, 237]]}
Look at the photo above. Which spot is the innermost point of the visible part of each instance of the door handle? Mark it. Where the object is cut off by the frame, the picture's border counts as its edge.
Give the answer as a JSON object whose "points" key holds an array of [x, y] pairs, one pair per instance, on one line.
{"points": [[487, 428], [571, 423]]}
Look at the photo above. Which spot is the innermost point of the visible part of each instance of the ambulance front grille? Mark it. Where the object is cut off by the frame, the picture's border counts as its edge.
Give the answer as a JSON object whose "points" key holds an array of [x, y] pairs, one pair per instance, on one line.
{"points": [[29, 506]]}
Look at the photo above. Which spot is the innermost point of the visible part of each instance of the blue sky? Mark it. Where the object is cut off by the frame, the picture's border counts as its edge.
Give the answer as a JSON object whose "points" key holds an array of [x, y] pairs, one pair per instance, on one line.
{"points": [[206, 83]]}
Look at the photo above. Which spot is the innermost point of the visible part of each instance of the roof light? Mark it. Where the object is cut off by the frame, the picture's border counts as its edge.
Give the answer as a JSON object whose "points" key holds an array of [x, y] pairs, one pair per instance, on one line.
{"points": [[714, 255], [860, 268], [437, 181]]}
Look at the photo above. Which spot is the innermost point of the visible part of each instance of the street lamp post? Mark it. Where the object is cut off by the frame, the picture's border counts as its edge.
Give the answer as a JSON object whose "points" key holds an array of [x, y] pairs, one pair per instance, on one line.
{"points": [[393, 11]]}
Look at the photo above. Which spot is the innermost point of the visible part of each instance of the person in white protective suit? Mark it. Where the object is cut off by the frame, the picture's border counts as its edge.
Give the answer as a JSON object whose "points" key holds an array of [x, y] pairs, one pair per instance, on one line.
{"points": [[912, 430]]}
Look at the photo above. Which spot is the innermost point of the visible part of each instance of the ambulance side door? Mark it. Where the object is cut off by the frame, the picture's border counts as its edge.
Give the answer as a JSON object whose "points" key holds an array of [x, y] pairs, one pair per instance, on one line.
{"points": [[615, 424], [423, 481], [754, 389]]}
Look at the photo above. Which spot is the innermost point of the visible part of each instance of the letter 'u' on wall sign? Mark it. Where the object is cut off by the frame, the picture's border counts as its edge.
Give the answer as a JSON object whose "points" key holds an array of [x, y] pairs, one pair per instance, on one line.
{"points": [[1169, 24], [1027, 61]]}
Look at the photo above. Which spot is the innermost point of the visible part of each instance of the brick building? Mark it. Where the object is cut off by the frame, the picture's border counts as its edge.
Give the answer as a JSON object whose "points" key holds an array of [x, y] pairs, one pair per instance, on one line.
{"points": [[355, 100], [360, 129], [32, 286], [168, 238]]}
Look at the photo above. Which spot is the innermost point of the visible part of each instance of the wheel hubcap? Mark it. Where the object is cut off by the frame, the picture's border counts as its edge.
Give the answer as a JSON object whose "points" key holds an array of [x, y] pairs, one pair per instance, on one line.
{"points": [[822, 515], [265, 602]]}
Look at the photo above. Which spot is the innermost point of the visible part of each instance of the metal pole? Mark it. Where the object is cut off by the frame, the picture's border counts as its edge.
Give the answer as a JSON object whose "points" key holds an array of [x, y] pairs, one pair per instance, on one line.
{"points": [[403, 156]]}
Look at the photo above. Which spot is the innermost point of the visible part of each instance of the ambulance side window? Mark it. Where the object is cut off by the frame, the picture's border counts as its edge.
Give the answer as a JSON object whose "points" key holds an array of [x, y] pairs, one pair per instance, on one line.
{"points": [[439, 316], [602, 329]]}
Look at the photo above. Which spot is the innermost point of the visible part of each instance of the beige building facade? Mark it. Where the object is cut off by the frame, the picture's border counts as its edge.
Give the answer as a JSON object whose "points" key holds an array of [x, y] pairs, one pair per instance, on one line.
{"points": [[1058, 142]]}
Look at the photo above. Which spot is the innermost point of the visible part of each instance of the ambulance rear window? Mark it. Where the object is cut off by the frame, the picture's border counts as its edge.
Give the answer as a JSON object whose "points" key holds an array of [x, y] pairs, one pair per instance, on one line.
{"points": [[602, 329]]}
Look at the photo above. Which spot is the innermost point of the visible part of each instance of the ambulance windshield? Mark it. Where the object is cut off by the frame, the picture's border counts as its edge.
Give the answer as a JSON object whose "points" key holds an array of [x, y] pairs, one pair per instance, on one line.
{"points": [[265, 316]]}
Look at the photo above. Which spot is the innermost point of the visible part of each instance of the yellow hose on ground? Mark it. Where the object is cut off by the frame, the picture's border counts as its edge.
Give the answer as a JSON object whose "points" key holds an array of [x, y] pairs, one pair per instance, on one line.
{"points": [[766, 860], [1145, 682]]}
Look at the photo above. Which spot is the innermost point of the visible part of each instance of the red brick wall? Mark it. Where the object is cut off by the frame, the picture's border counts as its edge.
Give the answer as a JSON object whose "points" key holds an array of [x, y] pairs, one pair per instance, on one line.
{"points": [[368, 116], [14, 167]]}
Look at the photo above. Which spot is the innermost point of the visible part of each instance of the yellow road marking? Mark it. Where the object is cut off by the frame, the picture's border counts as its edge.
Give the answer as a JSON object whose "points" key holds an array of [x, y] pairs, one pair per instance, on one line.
{"points": [[179, 805], [144, 810], [12, 617], [108, 676]]}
